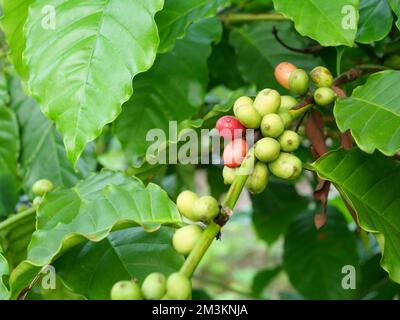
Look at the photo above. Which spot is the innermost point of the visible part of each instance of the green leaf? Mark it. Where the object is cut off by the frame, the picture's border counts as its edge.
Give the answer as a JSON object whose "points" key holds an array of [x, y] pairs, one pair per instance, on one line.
{"points": [[259, 52], [395, 5], [262, 280], [92, 268], [314, 258], [9, 152], [4, 272], [371, 183], [178, 15], [372, 114], [90, 210], [324, 21], [275, 209], [375, 20], [4, 95], [81, 72], [170, 91], [15, 13], [43, 155]]}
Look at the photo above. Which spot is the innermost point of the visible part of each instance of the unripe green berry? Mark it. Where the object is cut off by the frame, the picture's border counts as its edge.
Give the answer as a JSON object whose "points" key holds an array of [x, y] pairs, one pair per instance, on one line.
{"points": [[267, 101], [286, 118], [185, 202], [179, 287], [393, 61], [272, 125], [242, 101], [298, 82], [267, 149], [321, 77], [324, 96], [41, 187], [258, 180], [287, 166], [248, 116], [185, 238], [126, 290], [287, 103], [154, 286], [289, 141], [228, 174], [205, 208]]}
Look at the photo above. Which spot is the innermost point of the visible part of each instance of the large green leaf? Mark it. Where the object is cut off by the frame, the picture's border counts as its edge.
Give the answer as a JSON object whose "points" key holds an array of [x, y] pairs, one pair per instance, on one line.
{"points": [[275, 209], [81, 72], [371, 183], [322, 20], [90, 210], [9, 152], [259, 52], [372, 113], [172, 90], [4, 272], [92, 268], [375, 20], [177, 15], [43, 154], [314, 258], [395, 5], [15, 13]]}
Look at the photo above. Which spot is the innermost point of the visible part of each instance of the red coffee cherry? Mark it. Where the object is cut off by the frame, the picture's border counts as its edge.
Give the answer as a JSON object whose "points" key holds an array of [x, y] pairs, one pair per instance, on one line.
{"points": [[283, 72], [235, 153], [230, 128]]}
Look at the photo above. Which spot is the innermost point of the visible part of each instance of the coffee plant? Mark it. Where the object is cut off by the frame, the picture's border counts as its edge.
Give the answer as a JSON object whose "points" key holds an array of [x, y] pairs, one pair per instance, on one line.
{"points": [[133, 132]]}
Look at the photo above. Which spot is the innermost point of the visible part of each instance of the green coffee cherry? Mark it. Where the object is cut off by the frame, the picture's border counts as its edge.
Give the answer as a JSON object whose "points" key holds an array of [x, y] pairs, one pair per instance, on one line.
{"points": [[287, 103], [242, 101], [205, 208], [248, 116], [126, 290], [324, 96], [272, 125], [228, 174], [179, 287], [298, 82], [267, 101], [184, 202], [41, 187], [286, 118], [287, 166], [289, 141], [258, 180], [321, 77], [393, 61], [267, 149], [154, 286], [185, 238]]}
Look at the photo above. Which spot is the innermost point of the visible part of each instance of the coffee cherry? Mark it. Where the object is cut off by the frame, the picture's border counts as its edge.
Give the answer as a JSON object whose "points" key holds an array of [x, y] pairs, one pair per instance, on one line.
{"points": [[283, 72], [242, 101], [179, 287], [267, 149], [324, 96], [205, 208], [287, 166], [289, 141], [248, 116], [154, 286], [286, 118], [126, 290], [258, 180], [287, 103], [393, 61], [321, 77], [234, 153], [41, 187], [272, 125], [298, 82], [229, 174], [230, 128], [184, 202], [185, 238], [267, 101]]}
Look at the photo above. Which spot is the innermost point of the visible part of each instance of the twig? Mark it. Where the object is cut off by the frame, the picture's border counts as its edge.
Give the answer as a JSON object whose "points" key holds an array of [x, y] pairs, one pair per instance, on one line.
{"points": [[309, 50], [231, 18]]}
